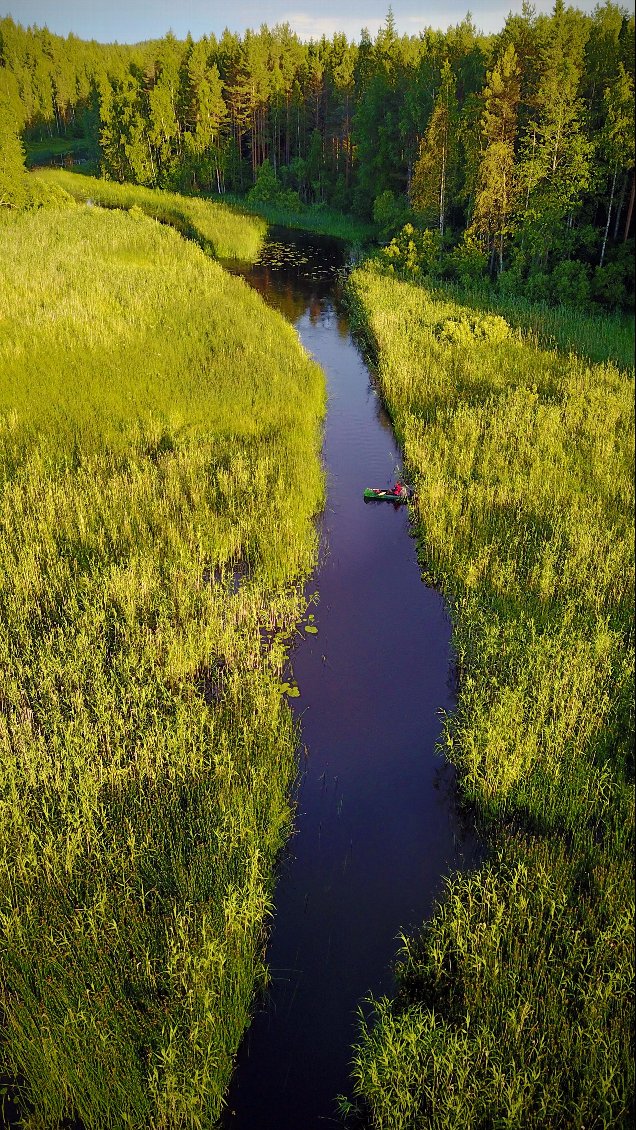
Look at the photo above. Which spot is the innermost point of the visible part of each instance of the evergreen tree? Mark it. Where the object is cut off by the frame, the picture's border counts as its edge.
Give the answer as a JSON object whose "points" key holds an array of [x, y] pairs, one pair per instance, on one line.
{"points": [[435, 176], [204, 116], [557, 164], [496, 181], [126, 151], [12, 179]]}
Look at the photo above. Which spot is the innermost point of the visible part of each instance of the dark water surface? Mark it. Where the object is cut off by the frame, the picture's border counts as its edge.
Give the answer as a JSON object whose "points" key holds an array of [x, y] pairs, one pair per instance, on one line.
{"points": [[377, 827]]}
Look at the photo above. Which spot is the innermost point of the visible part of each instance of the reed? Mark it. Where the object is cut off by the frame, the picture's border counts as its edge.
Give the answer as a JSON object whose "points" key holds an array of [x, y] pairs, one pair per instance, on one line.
{"points": [[515, 1002], [160, 475], [220, 230]]}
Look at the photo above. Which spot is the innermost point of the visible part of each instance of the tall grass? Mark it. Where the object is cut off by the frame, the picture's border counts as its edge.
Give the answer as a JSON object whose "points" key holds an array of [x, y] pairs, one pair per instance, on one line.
{"points": [[515, 1002], [317, 218], [160, 472], [595, 335], [218, 229]]}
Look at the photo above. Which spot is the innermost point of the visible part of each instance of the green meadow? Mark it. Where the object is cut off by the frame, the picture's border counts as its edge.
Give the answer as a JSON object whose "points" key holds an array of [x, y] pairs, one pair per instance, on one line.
{"points": [[160, 475], [221, 231], [514, 1004]]}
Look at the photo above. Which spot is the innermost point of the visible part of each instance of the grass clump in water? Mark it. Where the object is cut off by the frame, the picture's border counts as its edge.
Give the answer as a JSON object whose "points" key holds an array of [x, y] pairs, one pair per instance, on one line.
{"points": [[160, 471], [515, 1002], [218, 229]]}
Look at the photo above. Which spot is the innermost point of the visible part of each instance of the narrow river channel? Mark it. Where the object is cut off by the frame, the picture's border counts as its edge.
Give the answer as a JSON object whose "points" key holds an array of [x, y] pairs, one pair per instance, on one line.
{"points": [[377, 827]]}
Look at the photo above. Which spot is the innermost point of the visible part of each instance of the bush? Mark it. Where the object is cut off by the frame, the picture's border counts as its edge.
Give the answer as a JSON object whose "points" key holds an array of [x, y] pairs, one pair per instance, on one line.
{"points": [[570, 284], [467, 263], [538, 287], [268, 190], [413, 254], [469, 328], [389, 214], [613, 284]]}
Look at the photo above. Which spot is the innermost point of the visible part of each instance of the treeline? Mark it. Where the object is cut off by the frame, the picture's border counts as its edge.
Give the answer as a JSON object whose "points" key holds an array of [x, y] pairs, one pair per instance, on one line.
{"points": [[516, 148]]}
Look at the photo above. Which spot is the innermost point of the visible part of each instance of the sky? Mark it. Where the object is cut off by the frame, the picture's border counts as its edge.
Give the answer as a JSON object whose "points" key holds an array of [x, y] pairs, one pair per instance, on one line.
{"points": [[131, 21]]}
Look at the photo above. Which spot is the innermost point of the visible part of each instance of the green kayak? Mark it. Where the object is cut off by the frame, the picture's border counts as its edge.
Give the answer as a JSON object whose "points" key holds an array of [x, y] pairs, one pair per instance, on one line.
{"points": [[377, 494]]}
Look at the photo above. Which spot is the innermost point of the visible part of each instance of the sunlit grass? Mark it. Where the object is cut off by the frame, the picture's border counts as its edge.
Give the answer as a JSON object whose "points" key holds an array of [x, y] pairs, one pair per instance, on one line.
{"points": [[220, 230], [515, 1002], [595, 335], [159, 461]]}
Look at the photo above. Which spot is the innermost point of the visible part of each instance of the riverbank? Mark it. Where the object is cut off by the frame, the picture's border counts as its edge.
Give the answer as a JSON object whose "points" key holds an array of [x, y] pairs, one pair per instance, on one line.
{"points": [[219, 230], [315, 218], [160, 470], [228, 227], [515, 1001]]}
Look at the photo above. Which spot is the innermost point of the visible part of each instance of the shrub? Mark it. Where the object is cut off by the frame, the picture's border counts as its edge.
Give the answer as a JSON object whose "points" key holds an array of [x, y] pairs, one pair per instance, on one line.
{"points": [[467, 263], [389, 214], [413, 253], [613, 284], [268, 190], [538, 287], [570, 284]]}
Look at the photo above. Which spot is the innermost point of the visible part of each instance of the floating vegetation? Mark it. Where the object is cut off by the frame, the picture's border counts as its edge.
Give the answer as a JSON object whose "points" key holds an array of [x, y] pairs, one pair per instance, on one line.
{"points": [[283, 256]]}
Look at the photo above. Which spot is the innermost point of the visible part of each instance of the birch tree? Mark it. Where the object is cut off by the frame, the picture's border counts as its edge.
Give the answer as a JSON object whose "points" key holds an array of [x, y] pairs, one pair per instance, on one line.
{"points": [[617, 140]]}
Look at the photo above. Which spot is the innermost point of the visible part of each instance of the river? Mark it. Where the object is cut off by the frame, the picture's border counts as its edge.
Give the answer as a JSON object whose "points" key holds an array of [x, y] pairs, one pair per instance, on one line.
{"points": [[377, 828]]}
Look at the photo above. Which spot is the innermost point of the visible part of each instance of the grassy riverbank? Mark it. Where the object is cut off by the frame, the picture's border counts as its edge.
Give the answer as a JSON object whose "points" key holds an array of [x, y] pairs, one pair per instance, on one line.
{"points": [[596, 336], [218, 229], [515, 1003], [316, 218], [58, 149], [160, 472]]}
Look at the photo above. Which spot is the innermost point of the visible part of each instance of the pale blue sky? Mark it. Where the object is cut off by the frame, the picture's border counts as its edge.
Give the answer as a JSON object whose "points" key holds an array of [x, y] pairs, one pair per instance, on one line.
{"points": [[130, 21]]}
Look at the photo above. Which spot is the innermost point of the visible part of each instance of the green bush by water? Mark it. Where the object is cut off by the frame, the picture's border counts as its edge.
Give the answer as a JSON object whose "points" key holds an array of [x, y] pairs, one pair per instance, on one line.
{"points": [[160, 473], [515, 1002], [217, 228]]}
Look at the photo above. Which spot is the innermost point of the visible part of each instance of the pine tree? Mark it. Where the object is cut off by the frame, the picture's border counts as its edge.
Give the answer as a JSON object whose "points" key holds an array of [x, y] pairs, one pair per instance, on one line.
{"points": [[496, 179], [204, 115], [556, 170], [12, 179], [436, 172]]}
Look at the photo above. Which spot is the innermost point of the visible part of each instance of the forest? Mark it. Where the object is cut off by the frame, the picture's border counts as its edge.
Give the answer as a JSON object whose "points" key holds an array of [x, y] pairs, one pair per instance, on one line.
{"points": [[508, 156]]}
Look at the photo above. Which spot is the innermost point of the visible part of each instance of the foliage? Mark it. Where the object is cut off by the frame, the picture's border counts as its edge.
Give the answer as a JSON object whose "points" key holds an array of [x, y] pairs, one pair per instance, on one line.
{"points": [[515, 1002], [269, 191], [520, 142], [160, 472], [496, 187], [389, 214], [12, 186], [436, 171], [413, 253]]}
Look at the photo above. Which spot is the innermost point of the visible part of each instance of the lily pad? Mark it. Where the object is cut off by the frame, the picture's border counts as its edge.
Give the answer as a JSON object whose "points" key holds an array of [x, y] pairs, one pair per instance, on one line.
{"points": [[291, 690]]}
